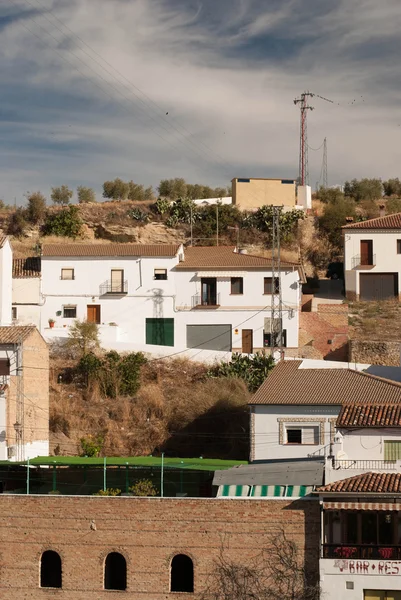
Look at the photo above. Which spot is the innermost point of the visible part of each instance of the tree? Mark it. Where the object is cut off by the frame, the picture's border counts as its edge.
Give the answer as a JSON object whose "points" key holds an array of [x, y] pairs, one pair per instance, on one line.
{"points": [[85, 194], [17, 223], [334, 217], [276, 573], [329, 194], [393, 206], [61, 194], [173, 188], [364, 189], [67, 223], [116, 189], [83, 337], [392, 187], [36, 209]]}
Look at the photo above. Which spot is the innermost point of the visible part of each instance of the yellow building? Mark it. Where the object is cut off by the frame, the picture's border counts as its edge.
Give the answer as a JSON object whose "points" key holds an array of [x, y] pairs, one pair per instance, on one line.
{"points": [[252, 193]]}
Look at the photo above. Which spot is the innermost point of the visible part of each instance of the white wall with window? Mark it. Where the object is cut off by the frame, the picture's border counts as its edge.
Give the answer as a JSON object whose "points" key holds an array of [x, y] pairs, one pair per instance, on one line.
{"points": [[283, 431]]}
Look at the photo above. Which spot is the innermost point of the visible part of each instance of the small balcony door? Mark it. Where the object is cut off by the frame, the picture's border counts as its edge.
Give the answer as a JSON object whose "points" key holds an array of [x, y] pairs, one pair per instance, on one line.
{"points": [[117, 280], [366, 252], [93, 313], [209, 291], [247, 341]]}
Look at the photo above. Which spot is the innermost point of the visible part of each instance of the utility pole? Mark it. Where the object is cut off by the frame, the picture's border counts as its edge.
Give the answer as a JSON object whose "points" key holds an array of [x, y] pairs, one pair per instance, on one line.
{"points": [[325, 177], [303, 138], [276, 317]]}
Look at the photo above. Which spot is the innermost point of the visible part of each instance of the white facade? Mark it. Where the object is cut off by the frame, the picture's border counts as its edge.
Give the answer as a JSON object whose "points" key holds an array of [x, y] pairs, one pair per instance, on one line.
{"points": [[123, 317], [304, 199], [383, 252], [26, 299], [6, 272], [213, 201]]}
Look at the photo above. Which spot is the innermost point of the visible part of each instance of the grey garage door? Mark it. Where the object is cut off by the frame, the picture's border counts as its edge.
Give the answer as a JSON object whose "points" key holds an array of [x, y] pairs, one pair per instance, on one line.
{"points": [[378, 286], [209, 337]]}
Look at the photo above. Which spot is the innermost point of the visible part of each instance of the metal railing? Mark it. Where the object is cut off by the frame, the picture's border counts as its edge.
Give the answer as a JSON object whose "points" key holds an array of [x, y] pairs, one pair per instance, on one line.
{"points": [[356, 261], [323, 451], [198, 301], [382, 465], [113, 287], [362, 551]]}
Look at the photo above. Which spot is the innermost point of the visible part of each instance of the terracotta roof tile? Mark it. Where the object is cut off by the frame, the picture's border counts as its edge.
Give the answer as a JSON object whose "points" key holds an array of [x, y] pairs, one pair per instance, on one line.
{"points": [[3, 239], [15, 334], [99, 250], [370, 415], [214, 257], [387, 222], [385, 483], [26, 267], [288, 384]]}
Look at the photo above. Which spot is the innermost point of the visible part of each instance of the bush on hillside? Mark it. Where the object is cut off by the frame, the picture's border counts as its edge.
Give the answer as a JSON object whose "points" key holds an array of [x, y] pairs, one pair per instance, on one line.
{"points": [[334, 217], [253, 369], [36, 209], [17, 224], [83, 337], [66, 222]]}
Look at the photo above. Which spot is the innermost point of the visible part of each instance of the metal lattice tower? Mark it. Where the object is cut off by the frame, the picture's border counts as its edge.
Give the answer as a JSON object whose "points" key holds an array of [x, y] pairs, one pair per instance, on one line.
{"points": [[325, 176], [276, 321], [303, 140]]}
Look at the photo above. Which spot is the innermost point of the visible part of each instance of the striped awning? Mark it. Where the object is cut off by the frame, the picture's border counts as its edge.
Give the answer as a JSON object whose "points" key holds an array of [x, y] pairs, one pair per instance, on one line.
{"points": [[264, 491], [221, 274], [387, 506]]}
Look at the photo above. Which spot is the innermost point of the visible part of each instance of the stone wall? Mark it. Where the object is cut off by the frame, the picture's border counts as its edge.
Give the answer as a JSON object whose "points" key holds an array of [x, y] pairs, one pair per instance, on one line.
{"points": [[149, 532], [375, 353]]}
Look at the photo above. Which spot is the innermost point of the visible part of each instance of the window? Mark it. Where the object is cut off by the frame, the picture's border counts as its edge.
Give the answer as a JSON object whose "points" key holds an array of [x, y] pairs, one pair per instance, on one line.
{"points": [[115, 572], [237, 285], [67, 274], [268, 285], [69, 312], [306, 435], [50, 570], [14, 313], [160, 332], [161, 274], [182, 574], [4, 366], [398, 246], [267, 339], [392, 451]]}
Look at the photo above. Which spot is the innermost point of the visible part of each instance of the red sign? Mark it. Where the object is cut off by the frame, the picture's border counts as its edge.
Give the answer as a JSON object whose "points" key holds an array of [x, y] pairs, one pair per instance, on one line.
{"points": [[369, 567]]}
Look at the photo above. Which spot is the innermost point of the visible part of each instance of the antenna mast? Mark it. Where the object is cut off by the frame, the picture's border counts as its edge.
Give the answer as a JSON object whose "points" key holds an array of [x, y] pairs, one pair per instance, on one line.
{"points": [[303, 139], [276, 321], [325, 177]]}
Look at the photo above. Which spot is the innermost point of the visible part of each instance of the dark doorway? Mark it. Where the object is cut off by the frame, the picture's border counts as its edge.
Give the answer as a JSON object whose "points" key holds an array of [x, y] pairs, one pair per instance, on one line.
{"points": [[209, 291], [115, 572], [247, 341], [50, 570], [366, 252], [182, 574]]}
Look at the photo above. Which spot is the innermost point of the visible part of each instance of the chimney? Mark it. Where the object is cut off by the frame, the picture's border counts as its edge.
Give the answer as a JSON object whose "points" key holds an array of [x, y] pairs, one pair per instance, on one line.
{"points": [[382, 212], [242, 251], [349, 219]]}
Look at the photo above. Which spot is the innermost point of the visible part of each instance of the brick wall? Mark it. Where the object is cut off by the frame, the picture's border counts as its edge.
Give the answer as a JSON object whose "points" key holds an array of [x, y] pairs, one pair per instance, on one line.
{"points": [[147, 531], [324, 334]]}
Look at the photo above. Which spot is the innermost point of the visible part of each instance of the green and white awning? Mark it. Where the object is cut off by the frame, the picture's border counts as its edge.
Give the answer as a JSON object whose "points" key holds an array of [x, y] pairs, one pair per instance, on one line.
{"points": [[264, 491]]}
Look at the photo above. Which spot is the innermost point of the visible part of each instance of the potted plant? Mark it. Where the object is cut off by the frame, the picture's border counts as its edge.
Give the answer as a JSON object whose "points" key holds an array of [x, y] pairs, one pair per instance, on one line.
{"points": [[51, 323]]}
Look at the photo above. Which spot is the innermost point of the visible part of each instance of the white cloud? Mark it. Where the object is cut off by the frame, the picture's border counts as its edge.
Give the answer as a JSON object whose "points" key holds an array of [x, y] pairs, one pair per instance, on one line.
{"points": [[227, 75]]}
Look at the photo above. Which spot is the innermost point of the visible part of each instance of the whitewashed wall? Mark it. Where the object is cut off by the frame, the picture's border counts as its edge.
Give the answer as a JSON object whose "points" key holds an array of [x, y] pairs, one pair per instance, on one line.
{"points": [[26, 298], [362, 573], [6, 273]]}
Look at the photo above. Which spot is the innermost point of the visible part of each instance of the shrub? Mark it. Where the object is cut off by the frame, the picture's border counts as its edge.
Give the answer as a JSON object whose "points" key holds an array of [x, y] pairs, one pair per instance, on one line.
{"points": [[334, 217], [252, 369], [91, 446], [66, 223], [162, 206], [83, 336], [108, 492], [120, 373], [17, 223], [393, 206], [36, 208], [138, 215], [89, 364], [143, 487]]}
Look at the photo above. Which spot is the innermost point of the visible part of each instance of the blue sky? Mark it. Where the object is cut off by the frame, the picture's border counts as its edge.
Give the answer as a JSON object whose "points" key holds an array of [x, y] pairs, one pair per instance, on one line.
{"points": [[86, 85]]}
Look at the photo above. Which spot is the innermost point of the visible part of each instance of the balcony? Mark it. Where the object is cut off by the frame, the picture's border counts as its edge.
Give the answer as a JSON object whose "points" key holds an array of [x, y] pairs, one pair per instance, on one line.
{"points": [[114, 288], [363, 263], [363, 551], [366, 465], [211, 301]]}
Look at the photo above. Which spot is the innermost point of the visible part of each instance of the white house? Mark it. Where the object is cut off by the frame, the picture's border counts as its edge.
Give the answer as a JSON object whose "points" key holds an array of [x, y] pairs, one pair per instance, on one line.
{"points": [[372, 258], [165, 299], [6, 267], [26, 292], [294, 414]]}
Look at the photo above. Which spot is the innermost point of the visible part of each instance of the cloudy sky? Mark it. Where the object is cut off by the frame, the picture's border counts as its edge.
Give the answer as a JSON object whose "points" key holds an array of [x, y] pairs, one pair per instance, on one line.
{"points": [[86, 86]]}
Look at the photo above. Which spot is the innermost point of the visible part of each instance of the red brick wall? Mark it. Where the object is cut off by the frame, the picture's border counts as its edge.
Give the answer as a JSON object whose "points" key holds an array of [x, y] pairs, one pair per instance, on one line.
{"points": [[147, 531]]}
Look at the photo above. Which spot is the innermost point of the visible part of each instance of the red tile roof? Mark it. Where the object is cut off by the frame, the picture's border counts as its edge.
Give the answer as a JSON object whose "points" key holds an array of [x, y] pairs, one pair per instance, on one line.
{"points": [[26, 267], [387, 222], [377, 483], [214, 257], [288, 384], [100, 250], [370, 415], [15, 334]]}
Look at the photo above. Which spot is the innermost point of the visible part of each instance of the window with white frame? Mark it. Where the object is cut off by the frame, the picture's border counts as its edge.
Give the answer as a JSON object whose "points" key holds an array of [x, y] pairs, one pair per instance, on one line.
{"points": [[69, 312], [302, 434], [67, 274]]}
